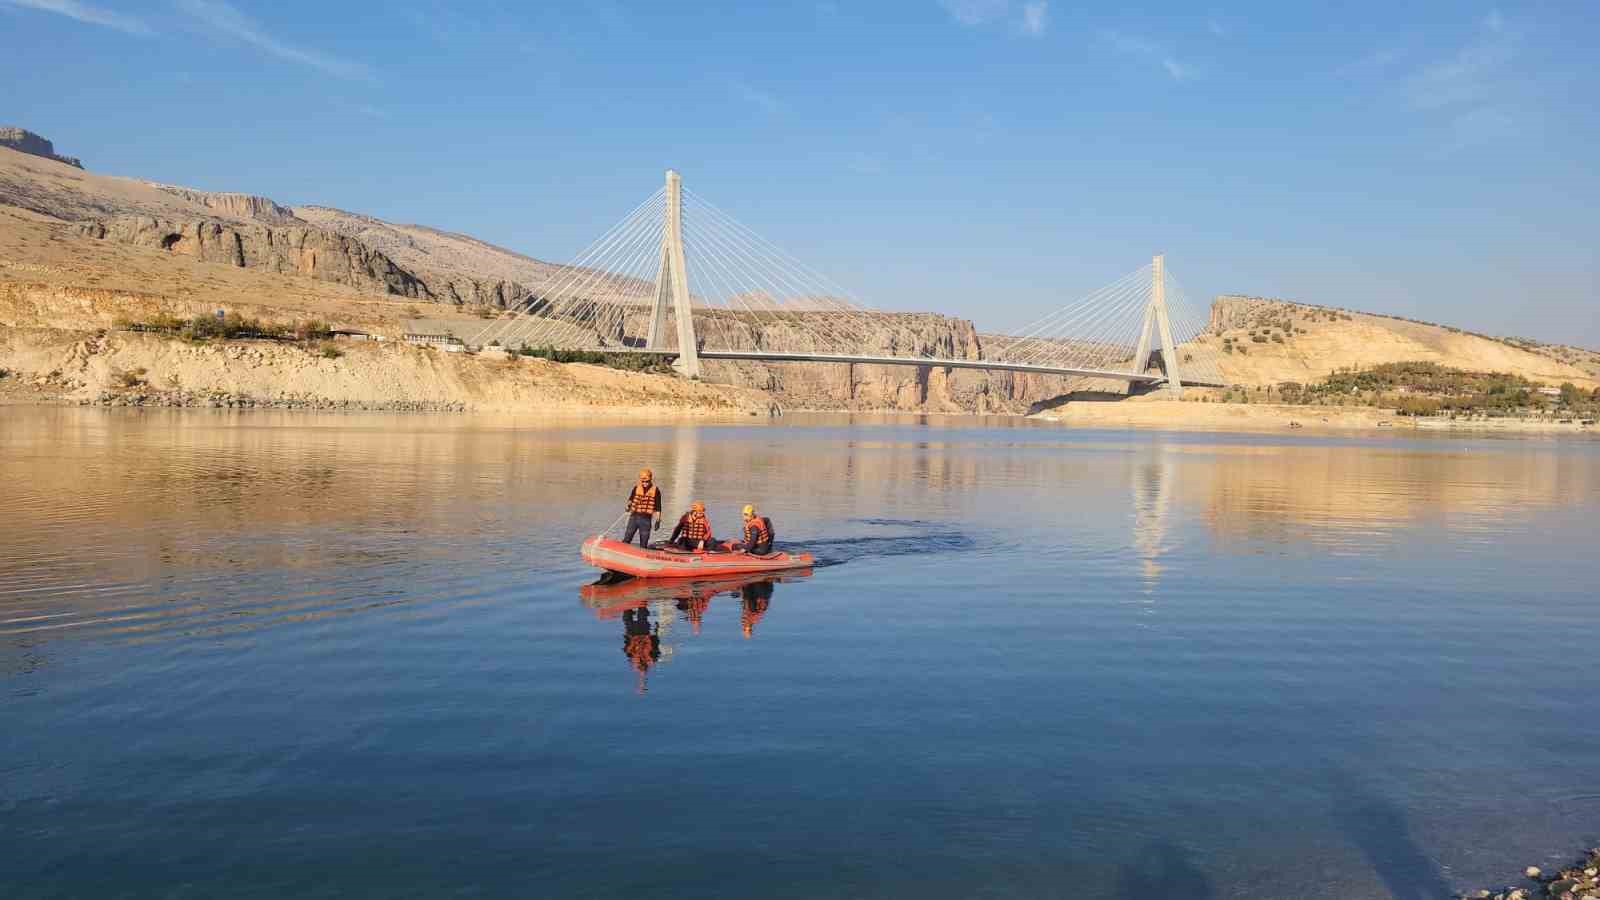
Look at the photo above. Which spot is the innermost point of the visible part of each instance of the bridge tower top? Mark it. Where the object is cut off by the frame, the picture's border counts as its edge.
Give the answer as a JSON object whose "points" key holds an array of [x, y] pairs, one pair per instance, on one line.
{"points": [[672, 283]]}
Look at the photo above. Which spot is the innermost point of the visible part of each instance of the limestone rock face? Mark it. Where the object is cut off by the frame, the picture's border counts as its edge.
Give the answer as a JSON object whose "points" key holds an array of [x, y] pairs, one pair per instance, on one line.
{"points": [[244, 207], [25, 141], [289, 250], [860, 386], [474, 292]]}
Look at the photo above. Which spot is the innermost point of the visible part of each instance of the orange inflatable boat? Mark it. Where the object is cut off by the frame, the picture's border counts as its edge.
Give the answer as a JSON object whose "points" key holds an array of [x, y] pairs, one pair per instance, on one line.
{"points": [[628, 559]]}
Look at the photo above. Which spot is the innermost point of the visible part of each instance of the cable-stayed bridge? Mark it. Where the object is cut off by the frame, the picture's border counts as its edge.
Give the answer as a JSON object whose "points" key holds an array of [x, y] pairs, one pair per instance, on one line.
{"points": [[679, 278]]}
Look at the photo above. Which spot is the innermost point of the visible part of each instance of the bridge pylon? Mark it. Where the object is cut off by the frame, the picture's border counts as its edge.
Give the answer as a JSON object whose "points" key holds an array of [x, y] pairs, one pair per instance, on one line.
{"points": [[672, 285], [1155, 318]]}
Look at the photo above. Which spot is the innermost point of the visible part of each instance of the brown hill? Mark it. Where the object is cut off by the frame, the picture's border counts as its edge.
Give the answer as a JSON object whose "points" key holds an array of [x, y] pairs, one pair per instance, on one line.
{"points": [[1274, 341], [79, 250]]}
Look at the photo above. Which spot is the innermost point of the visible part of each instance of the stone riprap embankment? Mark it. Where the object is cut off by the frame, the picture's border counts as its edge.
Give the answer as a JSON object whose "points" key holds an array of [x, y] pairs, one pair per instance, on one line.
{"points": [[1576, 882]]}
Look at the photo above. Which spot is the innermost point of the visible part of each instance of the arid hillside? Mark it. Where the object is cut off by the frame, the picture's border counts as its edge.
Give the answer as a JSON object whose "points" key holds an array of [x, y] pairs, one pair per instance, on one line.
{"points": [[421, 248], [1269, 341], [80, 251]]}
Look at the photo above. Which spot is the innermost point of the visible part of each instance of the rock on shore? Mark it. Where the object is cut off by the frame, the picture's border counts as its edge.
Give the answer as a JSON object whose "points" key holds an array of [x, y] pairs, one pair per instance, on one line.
{"points": [[1576, 882]]}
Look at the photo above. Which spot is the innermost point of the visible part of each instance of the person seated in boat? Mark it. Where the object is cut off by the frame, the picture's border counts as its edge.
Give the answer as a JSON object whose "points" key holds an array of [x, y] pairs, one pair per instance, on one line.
{"points": [[757, 533], [693, 531], [644, 509]]}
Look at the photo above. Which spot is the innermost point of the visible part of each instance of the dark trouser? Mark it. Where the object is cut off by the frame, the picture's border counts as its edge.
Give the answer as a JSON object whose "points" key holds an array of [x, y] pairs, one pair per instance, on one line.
{"points": [[762, 548], [691, 544], [639, 522]]}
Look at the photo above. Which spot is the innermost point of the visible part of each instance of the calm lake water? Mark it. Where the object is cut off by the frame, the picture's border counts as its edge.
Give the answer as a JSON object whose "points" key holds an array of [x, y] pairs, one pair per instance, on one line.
{"points": [[275, 655]]}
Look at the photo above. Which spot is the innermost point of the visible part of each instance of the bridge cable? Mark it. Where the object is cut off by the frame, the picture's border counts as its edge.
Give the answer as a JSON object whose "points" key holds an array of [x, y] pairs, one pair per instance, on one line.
{"points": [[562, 272]]}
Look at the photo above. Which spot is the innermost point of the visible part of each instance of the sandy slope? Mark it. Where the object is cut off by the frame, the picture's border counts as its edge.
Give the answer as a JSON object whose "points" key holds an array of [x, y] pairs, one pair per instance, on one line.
{"points": [[57, 288], [83, 367], [64, 192], [1191, 416], [1360, 340]]}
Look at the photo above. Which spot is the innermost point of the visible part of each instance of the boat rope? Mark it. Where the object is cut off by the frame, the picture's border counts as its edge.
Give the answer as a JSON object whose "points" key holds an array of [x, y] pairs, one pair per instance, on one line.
{"points": [[614, 523]]}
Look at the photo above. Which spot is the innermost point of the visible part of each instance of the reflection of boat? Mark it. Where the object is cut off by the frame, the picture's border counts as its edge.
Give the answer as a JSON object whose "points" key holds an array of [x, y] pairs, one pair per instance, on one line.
{"points": [[615, 556], [636, 600], [609, 600]]}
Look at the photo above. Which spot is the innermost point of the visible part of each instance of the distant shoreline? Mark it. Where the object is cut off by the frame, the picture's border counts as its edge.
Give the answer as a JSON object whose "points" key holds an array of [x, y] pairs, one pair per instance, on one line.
{"points": [[1274, 418]]}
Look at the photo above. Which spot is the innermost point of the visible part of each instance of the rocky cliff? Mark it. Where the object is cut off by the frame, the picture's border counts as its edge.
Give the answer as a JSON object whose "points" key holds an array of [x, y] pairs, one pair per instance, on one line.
{"points": [[431, 251], [243, 207], [861, 386], [288, 250], [25, 141]]}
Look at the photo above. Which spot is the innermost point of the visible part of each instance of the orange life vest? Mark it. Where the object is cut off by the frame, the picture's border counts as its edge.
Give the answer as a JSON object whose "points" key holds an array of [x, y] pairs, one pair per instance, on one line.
{"points": [[647, 501], [695, 528], [755, 531]]}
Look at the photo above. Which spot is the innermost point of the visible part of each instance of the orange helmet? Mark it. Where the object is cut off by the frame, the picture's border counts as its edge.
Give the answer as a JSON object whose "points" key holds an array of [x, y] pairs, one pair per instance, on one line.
{"points": [[697, 506], [646, 474]]}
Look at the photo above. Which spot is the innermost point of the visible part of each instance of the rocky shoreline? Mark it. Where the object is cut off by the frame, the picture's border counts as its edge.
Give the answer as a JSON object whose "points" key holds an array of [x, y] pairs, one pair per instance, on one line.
{"points": [[229, 400], [1580, 881]]}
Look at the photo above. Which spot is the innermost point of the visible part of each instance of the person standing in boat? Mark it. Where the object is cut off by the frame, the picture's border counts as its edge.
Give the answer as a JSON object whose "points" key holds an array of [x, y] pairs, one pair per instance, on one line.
{"points": [[693, 531], [644, 509], [757, 533]]}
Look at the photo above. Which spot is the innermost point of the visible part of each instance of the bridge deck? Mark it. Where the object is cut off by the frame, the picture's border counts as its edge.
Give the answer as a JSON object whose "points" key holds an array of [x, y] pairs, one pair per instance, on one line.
{"points": [[990, 364]]}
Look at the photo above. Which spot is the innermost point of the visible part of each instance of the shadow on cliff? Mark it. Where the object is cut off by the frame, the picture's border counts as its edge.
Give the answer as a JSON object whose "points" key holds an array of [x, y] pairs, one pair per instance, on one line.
{"points": [[1085, 397], [1163, 869], [1379, 828]]}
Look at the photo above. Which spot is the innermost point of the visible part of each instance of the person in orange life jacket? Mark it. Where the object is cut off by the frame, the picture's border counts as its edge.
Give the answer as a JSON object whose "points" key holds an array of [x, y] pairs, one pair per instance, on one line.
{"points": [[755, 599], [693, 531], [644, 509], [694, 608], [757, 533], [641, 643]]}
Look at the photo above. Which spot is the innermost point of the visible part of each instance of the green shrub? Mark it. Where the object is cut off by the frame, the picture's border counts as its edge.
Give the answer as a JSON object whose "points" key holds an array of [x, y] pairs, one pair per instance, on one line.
{"points": [[631, 362], [329, 350], [1414, 406]]}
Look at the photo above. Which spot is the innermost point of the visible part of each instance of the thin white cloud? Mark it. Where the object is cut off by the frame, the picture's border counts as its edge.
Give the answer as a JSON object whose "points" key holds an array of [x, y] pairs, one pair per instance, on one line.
{"points": [[1178, 70], [83, 12], [1032, 19], [1137, 47], [222, 18], [766, 102], [1376, 61], [975, 12], [1482, 125], [1471, 75], [1035, 17], [1486, 91]]}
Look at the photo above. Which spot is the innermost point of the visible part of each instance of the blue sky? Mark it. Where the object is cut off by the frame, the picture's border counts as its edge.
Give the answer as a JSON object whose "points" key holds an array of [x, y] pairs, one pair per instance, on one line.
{"points": [[981, 157]]}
